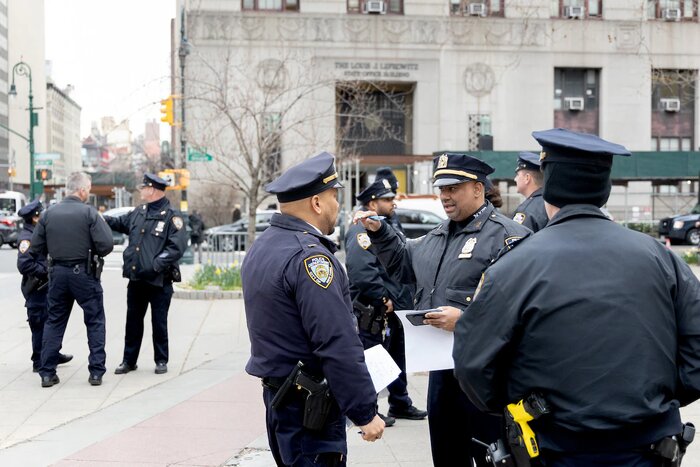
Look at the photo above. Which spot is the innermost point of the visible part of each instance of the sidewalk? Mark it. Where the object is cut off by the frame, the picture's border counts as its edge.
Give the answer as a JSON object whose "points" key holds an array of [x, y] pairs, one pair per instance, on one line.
{"points": [[204, 412]]}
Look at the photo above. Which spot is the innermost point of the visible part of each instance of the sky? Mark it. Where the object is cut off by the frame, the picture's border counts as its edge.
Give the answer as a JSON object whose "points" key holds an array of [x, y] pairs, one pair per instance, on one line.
{"points": [[116, 53]]}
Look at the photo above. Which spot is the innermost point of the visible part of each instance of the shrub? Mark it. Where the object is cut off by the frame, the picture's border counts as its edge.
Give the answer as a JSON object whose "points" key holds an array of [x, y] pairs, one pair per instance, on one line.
{"points": [[691, 256], [226, 277]]}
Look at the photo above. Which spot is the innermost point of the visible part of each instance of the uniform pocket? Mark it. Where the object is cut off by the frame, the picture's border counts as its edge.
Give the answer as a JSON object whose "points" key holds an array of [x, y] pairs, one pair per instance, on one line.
{"points": [[459, 297]]}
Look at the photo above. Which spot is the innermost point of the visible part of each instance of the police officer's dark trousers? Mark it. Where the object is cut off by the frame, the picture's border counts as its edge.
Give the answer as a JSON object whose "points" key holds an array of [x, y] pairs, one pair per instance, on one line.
{"points": [[395, 345], [138, 296], [36, 317], [454, 421], [69, 284], [292, 445]]}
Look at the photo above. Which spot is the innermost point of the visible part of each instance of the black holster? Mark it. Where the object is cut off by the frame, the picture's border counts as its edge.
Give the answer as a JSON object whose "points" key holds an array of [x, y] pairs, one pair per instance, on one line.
{"points": [[672, 448], [317, 402], [370, 318], [96, 264], [32, 284]]}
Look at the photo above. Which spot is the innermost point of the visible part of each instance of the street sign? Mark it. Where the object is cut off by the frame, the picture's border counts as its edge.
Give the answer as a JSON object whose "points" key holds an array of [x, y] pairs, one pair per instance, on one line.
{"points": [[43, 163], [194, 155], [43, 156]]}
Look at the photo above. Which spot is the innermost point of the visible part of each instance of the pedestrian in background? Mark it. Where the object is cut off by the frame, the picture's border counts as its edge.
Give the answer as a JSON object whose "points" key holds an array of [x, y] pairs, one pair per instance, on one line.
{"points": [[157, 241], [298, 311], [197, 232], [528, 180], [600, 320], [375, 295], [446, 265], [236, 213], [35, 281], [76, 238]]}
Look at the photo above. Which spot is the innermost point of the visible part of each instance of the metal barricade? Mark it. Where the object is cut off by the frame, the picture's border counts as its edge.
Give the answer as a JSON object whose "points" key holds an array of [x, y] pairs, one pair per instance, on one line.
{"points": [[224, 248]]}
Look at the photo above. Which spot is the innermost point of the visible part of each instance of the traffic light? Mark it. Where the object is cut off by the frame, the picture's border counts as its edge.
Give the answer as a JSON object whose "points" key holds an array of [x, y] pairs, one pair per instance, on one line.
{"points": [[168, 111], [11, 172], [43, 174]]}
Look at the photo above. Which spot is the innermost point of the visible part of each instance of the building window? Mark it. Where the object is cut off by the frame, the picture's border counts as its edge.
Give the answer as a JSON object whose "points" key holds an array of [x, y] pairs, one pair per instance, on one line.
{"points": [[576, 92], [477, 8], [672, 10], [271, 5], [394, 7], [577, 9], [673, 109]]}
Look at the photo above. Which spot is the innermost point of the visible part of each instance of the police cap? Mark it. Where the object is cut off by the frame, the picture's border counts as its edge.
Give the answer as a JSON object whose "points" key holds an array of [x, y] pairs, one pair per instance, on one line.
{"points": [[528, 161], [31, 209], [153, 180], [576, 166], [381, 188], [388, 174], [452, 168], [308, 178]]}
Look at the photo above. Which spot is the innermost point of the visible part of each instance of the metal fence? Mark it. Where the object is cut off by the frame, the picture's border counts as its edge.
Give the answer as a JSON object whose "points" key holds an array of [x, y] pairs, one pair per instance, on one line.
{"points": [[223, 249]]}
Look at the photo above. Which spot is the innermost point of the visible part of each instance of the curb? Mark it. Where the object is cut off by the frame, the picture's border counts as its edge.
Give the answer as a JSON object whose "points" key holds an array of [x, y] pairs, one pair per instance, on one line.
{"points": [[186, 294]]}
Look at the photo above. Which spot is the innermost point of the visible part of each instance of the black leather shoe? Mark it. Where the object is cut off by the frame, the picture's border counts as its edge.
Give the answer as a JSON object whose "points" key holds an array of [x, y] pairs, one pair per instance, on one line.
{"points": [[161, 367], [410, 413], [95, 380], [64, 358], [388, 420], [48, 381], [124, 368]]}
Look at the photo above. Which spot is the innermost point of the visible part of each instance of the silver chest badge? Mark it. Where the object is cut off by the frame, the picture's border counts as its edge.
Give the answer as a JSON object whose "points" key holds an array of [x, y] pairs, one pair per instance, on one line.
{"points": [[468, 248], [159, 226]]}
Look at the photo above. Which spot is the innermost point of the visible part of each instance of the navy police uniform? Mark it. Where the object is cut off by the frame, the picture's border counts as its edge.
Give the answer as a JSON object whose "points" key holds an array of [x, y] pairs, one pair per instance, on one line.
{"points": [[599, 319], [446, 265], [385, 173], [70, 232], [298, 308], [157, 241], [531, 212], [35, 280], [371, 286]]}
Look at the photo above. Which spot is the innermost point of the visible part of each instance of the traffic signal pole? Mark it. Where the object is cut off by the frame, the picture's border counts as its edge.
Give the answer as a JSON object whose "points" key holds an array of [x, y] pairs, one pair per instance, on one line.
{"points": [[182, 53]]}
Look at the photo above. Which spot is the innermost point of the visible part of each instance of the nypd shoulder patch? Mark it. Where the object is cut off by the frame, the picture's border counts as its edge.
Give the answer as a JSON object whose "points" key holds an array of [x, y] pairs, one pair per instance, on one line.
{"points": [[320, 270], [519, 217], [363, 240], [178, 222], [510, 241], [24, 246]]}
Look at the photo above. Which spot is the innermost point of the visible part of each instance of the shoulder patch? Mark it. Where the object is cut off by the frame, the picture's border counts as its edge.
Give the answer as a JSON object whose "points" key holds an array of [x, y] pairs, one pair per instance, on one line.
{"points": [[363, 240], [177, 222], [24, 246], [511, 241], [320, 270], [519, 217]]}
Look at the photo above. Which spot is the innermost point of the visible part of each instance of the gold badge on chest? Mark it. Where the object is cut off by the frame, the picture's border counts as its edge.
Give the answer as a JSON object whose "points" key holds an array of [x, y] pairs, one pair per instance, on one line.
{"points": [[468, 248]]}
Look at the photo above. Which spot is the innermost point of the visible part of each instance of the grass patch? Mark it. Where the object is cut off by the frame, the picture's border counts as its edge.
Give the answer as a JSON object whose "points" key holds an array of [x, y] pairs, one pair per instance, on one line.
{"points": [[226, 277], [691, 256]]}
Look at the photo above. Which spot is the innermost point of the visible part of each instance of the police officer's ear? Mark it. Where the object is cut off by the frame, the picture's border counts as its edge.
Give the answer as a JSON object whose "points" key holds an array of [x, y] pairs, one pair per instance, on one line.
{"points": [[479, 189], [316, 204]]}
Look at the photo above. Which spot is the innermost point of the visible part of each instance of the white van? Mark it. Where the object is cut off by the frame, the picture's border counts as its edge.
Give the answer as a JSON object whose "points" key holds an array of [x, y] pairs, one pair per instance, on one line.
{"points": [[12, 201]]}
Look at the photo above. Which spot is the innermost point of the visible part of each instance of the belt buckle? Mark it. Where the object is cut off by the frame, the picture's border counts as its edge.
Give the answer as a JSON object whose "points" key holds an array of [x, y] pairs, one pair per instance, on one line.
{"points": [[76, 269]]}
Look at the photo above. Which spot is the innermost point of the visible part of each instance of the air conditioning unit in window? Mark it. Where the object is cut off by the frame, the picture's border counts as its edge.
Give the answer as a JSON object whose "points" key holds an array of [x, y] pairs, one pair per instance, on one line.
{"points": [[476, 9], [374, 7], [574, 103], [671, 14], [671, 105], [574, 12]]}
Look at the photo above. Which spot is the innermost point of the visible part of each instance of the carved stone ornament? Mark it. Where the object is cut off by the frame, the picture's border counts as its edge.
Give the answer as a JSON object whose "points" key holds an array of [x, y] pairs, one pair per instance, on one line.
{"points": [[479, 79], [272, 75]]}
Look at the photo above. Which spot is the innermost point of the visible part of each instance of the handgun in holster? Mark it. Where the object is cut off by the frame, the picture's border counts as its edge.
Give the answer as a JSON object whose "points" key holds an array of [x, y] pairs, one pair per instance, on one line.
{"points": [[97, 266], [370, 318], [318, 400], [519, 436], [672, 448]]}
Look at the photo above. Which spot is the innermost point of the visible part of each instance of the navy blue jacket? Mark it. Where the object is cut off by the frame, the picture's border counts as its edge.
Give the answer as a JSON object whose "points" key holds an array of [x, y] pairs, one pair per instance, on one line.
{"points": [[31, 264], [298, 308], [157, 241], [531, 212], [369, 281], [604, 321]]}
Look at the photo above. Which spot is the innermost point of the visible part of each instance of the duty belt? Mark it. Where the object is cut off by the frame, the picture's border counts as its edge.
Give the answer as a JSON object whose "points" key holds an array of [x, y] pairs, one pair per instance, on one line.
{"points": [[71, 263]]}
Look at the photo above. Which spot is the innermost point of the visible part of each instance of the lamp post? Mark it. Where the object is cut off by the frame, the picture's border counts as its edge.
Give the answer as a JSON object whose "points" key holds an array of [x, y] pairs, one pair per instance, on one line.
{"points": [[23, 69]]}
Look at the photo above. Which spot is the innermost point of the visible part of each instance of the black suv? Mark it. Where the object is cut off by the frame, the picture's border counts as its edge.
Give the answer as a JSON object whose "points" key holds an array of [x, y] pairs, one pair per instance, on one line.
{"points": [[682, 228], [417, 223]]}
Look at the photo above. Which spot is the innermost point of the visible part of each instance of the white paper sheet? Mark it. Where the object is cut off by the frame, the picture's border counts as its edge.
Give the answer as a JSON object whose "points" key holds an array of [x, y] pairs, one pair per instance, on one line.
{"points": [[427, 348], [382, 368]]}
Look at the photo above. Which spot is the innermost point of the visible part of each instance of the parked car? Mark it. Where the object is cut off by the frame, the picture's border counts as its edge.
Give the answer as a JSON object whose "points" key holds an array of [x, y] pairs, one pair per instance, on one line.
{"points": [[10, 225], [683, 228], [117, 237], [230, 237], [417, 223]]}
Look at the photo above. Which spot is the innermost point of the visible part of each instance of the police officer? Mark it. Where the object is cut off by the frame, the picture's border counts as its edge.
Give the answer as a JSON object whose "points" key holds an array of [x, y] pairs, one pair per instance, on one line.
{"points": [[375, 296], [528, 181], [35, 281], [73, 233], [446, 265], [385, 173], [197, 232], [157, 240], [599, 319], [298, 309]]}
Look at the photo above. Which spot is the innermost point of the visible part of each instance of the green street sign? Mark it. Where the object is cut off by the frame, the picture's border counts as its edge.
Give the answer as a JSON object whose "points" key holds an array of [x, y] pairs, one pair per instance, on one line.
{"points": [[43, 163], [194, 155]]}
